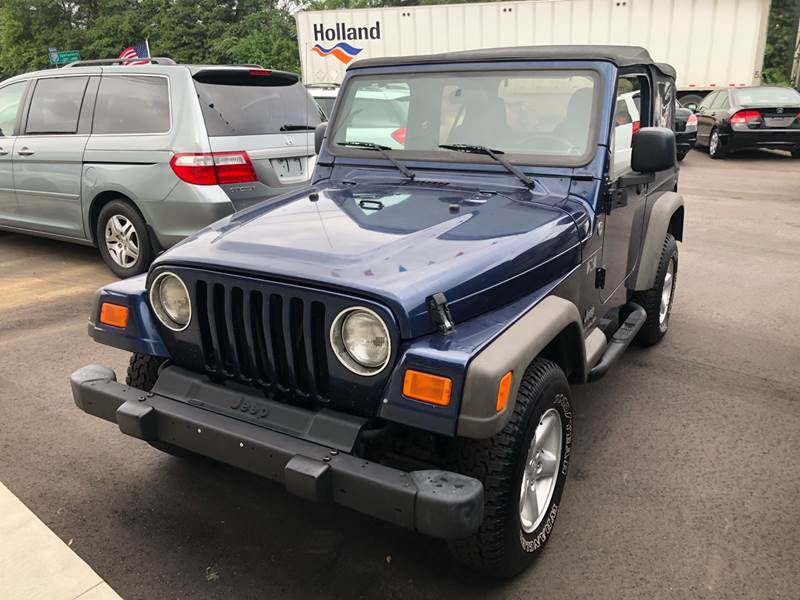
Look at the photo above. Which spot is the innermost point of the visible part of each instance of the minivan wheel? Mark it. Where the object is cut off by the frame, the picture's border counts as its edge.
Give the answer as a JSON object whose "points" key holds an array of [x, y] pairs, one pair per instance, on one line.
{"points": [[523, 469], [122, 239]]}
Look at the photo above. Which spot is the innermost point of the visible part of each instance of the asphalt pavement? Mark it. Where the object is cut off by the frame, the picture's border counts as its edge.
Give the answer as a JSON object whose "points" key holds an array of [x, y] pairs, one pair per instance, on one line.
{"points": [[684, 481]]}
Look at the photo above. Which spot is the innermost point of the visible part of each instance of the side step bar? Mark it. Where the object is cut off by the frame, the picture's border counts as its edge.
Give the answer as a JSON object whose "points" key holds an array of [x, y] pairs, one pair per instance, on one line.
{"points": [[620, 341]]}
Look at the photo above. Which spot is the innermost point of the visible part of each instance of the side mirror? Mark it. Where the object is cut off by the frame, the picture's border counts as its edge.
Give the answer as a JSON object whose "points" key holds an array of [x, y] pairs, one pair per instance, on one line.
{"points": [[319, 135], [653, 150]]}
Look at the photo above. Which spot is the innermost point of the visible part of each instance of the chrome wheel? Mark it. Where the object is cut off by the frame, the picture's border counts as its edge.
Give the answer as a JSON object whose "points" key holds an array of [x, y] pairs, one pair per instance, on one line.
{"points": [[541, 470], [713, 143], [666, 294], [122, 242]]}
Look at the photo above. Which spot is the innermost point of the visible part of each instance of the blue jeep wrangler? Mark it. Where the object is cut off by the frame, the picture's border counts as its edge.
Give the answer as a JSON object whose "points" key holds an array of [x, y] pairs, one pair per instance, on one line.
{"points": [[483, 230]]}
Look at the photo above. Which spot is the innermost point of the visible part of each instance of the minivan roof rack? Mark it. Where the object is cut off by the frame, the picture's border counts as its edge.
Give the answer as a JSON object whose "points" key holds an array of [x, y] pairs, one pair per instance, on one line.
{"points": [[156, 60]]}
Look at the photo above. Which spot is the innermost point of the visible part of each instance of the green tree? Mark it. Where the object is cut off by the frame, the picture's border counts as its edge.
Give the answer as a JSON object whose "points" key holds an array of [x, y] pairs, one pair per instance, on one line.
{"points": [[781, 41], [194, 31]]}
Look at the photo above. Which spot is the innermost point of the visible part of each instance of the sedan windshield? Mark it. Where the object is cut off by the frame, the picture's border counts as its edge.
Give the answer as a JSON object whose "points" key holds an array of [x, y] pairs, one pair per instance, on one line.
{"points": [[536, 117]]}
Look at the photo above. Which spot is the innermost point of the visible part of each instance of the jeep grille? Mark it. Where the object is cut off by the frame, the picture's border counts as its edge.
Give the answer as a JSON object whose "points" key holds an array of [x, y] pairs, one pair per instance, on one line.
{"points": [[274, 340]]}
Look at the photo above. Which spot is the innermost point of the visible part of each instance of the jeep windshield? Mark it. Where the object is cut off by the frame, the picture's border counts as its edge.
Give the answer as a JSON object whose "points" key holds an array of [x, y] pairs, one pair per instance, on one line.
{"points": [[531, 117]]}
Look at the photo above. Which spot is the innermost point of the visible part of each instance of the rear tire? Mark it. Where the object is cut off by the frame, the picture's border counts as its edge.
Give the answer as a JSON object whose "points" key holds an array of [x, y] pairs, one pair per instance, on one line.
{"points": [[143, 374], [716, 149], [122, 238], [681, 156], [512, 533], [655, 301], [796, 153]]}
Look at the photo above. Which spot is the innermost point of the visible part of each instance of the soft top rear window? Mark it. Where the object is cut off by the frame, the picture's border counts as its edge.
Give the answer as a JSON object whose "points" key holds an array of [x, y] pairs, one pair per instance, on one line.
{"points": [[238, 109]]}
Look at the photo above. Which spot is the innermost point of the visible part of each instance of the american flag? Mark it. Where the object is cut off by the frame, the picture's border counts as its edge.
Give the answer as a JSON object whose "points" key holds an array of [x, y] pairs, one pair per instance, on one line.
{"points": [[140, 50]]}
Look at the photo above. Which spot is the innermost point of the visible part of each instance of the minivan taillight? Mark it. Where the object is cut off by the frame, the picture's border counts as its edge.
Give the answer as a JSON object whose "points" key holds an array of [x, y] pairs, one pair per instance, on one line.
{"points": [[212, 168], [743, 117]]}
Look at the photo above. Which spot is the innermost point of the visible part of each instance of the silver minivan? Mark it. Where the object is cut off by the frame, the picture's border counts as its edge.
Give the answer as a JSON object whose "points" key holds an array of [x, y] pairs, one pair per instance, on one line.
{"points": [[133, 159]]}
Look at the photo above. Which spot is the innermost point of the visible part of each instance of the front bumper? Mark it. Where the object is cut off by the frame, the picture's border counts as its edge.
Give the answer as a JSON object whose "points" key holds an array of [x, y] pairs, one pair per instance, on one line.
{"points": [[306, 451]]}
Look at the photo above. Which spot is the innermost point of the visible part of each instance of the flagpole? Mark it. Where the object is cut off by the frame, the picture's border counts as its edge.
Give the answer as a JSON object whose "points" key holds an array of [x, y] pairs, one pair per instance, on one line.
{"points": [[147, 44]]}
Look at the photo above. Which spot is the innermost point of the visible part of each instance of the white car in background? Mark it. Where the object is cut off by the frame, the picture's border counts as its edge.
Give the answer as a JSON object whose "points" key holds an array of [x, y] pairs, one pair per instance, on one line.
{"points": [[381, 117], [626, 124], [325, 95]]}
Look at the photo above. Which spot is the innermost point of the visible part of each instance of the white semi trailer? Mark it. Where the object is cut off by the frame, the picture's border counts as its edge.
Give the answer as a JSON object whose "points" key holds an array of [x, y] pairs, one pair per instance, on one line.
{"points": [[711, 43]]}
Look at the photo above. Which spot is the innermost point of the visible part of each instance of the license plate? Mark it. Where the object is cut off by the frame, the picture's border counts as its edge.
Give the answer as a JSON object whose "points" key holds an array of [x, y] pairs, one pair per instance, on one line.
{"points": [[778, 121], [288, 167]]}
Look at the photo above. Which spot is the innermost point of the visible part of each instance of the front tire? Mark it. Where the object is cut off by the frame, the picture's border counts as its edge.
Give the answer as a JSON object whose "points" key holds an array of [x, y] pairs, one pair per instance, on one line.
{"points": [[143, 371], [523, 469], [716, 149], [657, 301], [142, 374], [122, 239]]}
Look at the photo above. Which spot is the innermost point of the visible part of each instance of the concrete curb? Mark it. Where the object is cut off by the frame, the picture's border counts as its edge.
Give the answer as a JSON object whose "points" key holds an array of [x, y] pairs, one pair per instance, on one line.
{"points": [[35, 564]]}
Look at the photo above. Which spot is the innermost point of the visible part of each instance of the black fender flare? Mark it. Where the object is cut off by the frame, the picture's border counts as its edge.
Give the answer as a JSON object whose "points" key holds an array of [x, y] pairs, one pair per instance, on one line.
{"points": [[658, 224]]}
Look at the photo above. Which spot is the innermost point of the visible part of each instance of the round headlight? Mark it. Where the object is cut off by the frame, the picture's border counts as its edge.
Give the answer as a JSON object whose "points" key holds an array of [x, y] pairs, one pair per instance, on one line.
{"points": [[170, 301], [360, 340]]}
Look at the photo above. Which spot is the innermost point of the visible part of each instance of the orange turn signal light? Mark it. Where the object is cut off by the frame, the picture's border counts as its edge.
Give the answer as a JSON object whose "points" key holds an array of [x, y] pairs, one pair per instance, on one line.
{"points": [[114, 315], [425, 387], [503, 391]]}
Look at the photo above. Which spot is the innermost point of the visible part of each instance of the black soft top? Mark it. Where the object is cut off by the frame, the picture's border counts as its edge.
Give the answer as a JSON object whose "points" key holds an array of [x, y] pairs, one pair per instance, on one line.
{"points": [[622, 56]]}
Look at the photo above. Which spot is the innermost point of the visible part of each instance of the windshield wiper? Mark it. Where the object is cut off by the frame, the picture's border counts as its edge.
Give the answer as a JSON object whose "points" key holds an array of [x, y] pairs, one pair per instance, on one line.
{"points": [[383, 150], [293, 127], [495, 154]]}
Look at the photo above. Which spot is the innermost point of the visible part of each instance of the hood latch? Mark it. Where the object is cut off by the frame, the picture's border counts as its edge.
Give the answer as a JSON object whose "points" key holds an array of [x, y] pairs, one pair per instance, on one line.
{"points": [[440, 313]]}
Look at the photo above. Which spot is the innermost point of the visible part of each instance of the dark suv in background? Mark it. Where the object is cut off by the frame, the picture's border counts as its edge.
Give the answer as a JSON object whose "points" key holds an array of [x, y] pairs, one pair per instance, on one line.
{"points": [[135, 158]]}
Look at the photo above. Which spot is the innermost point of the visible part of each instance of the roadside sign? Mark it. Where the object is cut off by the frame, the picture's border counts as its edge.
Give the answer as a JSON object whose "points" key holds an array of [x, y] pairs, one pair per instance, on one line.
{"points": [[64, 56]]}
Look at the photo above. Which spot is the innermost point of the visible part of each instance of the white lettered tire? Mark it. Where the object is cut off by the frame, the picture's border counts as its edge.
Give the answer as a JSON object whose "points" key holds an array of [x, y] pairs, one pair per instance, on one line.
{"points": [[531, 453]]}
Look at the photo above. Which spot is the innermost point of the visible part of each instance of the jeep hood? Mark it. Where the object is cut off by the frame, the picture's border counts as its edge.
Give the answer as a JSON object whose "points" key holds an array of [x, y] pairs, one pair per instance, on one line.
{"points": [[400, 243]]}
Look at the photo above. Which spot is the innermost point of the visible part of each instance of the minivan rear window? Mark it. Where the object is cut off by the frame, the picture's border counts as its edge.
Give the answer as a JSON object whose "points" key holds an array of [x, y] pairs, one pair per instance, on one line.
{"points": [[131, 104], [231, 110]]}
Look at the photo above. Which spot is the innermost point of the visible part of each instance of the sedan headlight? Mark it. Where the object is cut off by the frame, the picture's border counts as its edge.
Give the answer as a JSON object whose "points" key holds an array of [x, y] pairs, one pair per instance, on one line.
{"points": [[360, 340], [170, 301]]}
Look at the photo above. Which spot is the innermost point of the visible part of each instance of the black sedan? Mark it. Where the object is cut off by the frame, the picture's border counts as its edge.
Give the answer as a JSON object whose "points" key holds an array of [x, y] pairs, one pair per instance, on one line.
{"points": [[685, 130], [745, 118]]}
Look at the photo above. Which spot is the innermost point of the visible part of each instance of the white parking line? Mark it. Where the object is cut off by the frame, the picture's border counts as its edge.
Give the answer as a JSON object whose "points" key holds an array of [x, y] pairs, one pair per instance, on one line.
{"points": [[35, 564]]}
